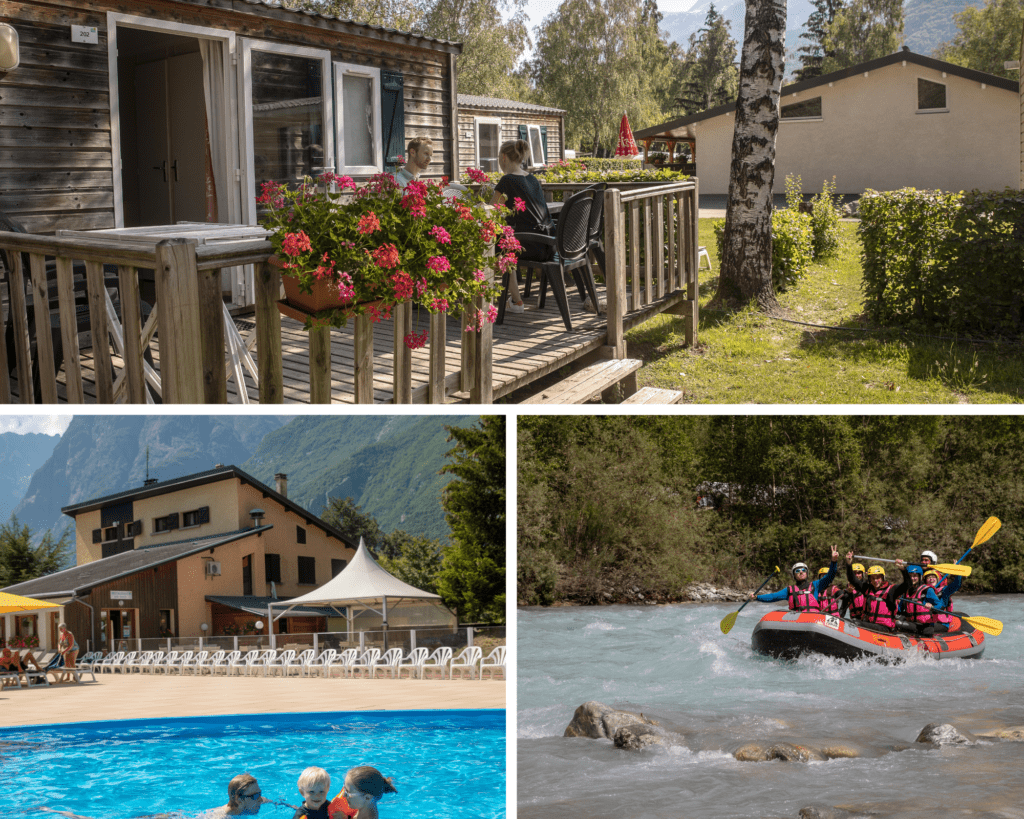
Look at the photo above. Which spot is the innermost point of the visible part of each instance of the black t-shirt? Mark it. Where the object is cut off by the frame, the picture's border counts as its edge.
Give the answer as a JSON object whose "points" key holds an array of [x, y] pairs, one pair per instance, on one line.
{"points": [[318, 813], [535, 219]]}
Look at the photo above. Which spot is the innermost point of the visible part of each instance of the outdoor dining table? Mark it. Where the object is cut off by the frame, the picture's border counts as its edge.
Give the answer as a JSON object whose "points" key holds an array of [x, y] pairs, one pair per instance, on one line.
{"points": [[204, 233]]}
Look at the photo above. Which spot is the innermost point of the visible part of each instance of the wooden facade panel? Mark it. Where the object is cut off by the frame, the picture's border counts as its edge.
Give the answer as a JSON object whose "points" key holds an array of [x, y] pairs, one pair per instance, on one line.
{"points": [[58, 78], [81, 160], [11, 94], [55, 180], [28, 117], [58, 56], [45, 138], [15, 202], [152, 590], [510, 122], [51, 222]]}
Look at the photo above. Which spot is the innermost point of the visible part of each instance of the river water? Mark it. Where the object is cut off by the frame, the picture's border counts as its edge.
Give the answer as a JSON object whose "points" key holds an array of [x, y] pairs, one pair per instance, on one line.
{"points": [[674, 664]]}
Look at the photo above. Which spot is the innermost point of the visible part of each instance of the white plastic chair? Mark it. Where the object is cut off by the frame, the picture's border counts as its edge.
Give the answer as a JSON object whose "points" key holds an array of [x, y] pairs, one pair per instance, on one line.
{"points": [[319, 665], [186, 659], [90, 659], [300, 662], [414, 663], [170, 660], [365, 663], [279, 662], [437, 661], [224, 662], [154, 661], [702, 253], [261, 660], [207, 664], [242, 665], [120, 665], [495, 661], [467, 661], [344, 661], [388, 664], [139, 662]]}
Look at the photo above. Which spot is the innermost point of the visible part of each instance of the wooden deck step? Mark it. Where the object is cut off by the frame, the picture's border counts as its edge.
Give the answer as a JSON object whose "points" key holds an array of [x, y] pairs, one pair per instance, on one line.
{"points": [[654, 395], [590, 382]]}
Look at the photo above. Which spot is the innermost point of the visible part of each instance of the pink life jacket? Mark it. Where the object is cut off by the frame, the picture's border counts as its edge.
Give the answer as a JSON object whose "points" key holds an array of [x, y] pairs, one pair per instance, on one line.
{"points": [[876, 609], [831, 600], [919, 613], [857, 605], [803, 599]]}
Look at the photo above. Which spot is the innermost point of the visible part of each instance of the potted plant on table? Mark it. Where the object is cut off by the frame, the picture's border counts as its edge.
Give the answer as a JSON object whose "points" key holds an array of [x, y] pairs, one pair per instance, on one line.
{"points": [[362, 254]]}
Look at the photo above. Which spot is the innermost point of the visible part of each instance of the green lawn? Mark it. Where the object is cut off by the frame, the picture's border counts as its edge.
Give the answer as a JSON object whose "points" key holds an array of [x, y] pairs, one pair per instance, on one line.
{"points": [[745, 357]]}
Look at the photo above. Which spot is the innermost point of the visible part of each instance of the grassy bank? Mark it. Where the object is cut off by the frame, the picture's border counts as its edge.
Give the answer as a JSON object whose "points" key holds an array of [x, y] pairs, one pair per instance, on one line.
{"points": [[745, 357]]}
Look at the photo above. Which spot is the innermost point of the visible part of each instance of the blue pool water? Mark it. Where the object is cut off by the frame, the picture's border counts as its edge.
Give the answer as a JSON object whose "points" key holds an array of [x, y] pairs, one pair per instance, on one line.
{"points": [[454, 760]]}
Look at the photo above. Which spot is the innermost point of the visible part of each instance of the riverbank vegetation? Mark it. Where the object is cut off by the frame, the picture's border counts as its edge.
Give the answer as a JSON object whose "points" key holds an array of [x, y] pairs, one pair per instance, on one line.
{"points": [[614, 507]]}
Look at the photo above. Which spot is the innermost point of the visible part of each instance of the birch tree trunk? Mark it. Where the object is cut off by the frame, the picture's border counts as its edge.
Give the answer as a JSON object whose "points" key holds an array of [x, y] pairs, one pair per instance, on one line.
{"points": [[746, 272]]}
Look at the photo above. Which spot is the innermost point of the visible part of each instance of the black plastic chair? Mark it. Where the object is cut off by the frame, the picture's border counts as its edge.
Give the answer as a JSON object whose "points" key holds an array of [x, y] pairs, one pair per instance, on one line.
{"points": [[595, 228], [571, 246]]}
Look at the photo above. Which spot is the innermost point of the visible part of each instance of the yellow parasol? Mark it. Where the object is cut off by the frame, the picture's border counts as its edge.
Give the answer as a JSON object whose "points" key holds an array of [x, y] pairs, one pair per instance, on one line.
{"points": [[14, 602]]}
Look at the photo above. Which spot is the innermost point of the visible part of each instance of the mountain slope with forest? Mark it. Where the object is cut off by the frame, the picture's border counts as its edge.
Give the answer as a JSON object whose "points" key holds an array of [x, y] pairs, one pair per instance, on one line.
{"points": [[20, 457]]}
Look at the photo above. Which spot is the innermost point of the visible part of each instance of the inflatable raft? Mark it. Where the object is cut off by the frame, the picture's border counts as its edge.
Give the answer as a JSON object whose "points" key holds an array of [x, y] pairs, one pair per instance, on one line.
{"points": [[788, 634]]}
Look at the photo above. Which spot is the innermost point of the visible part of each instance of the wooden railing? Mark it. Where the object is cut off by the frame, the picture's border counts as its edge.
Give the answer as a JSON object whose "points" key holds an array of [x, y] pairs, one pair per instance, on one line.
{"points": [[188, 320], [651, 256]]}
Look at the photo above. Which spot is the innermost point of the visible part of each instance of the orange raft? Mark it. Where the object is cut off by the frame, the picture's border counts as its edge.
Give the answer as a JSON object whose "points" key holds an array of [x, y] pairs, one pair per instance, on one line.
{"points": [[790, 634]]}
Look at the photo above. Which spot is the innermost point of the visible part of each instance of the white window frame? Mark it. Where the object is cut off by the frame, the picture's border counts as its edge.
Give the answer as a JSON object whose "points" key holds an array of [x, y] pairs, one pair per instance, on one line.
{"points": [[373, 74], [477, 122], [115, 19], [921, 110], [245, 83], [534, 161]]}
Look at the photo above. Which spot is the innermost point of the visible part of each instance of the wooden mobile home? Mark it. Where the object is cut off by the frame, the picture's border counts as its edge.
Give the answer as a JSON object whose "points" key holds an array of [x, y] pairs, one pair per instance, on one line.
{"points": [[485, 123], [149, 113]]}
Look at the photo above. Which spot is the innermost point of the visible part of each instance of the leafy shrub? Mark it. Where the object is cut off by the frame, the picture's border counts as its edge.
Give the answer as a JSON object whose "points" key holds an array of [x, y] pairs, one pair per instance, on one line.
{"points": [[825, 216], [593, 163]]}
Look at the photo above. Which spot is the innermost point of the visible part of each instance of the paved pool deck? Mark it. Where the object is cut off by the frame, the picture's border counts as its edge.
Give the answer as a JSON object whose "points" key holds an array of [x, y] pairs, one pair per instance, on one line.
{"points": [[138, 696]]}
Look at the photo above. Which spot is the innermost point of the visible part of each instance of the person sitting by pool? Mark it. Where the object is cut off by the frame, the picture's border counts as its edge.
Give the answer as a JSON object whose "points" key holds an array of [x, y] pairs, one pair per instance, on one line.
{"points": [[244, 798], [830, 598], [803, 594], [364, 787], [879, 594], [527, 210], [925, 614], [314, 785], [68, 648]]}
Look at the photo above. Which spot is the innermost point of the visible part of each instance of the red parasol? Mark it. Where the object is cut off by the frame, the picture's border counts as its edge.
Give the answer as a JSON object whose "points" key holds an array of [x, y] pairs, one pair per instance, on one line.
{"points": [[627, 145]]}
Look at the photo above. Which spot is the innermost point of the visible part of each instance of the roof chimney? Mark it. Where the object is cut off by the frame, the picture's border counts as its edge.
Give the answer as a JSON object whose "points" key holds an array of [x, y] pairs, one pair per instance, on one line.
{"points": [[257, 517], [282, 483], [151, 481]]}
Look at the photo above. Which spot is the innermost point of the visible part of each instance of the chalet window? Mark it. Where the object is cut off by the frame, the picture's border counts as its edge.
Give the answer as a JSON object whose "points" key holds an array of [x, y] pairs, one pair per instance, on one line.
{"points": [[805, 109], [931, 96], [97, 535], [392, 115], [247, 575], [488, 141], [358, 110], [300, 534], [307, 571], [337, 566], [272, 564], [165, 524], [111, 533], [538, 146], [196, 517]]}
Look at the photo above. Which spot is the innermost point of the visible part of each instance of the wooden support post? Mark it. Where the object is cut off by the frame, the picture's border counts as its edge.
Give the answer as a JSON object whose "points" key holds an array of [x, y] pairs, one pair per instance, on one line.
{"points": [[181, 347], [19, 320], [268, 333], [634, 255], [670, 273], [363, 374], [320, 364], [101, 333], [648, 253], [131, 324], [44, 341], [659, 248], [615, 278], [401, 384], [481, 385], [684, 240], [5, 376], [692, 287], [438, 345], [211, 320]]}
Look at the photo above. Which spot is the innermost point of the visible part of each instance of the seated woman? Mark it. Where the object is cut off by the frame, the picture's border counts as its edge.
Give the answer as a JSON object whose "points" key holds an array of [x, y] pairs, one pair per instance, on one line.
{"points": [[531, 216]]}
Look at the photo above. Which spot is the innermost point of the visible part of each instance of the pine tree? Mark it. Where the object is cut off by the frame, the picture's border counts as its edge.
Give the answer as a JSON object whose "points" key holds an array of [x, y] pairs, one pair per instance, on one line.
{"points": [[864, 30], [21, 561], [818, 25], [710, 71]]}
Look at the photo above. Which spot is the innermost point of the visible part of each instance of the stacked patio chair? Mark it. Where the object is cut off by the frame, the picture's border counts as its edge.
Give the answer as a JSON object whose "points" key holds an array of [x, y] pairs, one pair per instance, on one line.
{"points": [[494, 662], [319, 665], [155, 660], [388, 664], [439, 661], [468, 661], [170, 660], [184, 659], [138, 662], [413, 663], [111, 660]]}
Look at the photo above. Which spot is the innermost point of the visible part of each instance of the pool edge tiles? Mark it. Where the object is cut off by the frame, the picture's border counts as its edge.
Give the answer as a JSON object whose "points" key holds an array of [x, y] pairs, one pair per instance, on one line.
{"points": [[474, 717]]}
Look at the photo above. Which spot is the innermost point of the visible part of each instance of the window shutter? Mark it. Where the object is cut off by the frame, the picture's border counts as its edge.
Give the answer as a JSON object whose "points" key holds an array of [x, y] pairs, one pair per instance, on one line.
{"points": [[203, 515], [392, 114], [544, 141], [136, 528], [97, 535], [524, 133], [172, 521]]}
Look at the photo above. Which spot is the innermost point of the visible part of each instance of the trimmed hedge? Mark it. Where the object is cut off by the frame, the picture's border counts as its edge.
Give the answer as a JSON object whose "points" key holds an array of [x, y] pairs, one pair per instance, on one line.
{"points": [[948, 260]]}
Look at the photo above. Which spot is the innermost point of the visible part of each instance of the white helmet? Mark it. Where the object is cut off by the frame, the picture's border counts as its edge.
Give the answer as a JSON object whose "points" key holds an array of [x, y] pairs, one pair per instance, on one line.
{"points": [[934, 558], [799, 567]]}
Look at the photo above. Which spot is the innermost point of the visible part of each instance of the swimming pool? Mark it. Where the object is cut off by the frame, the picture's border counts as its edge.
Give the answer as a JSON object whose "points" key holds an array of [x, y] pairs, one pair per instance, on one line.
{"points": [[451, 760]]}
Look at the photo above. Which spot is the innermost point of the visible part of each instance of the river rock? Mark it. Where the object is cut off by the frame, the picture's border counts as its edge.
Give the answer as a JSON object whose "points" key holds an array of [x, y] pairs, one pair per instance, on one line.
{"points": [[824, 812], [596, 720], [839, 752], [1014, 734], [707, 593], [638, 736], [940, 734], [785, 751]]}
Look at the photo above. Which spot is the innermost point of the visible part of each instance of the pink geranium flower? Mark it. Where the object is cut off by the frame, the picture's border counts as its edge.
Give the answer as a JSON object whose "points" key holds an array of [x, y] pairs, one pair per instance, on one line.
{"points": [[439, 264], [440, 234], [386, 257], [368, 224], [296, 243], [519, 204], [416, 340]]}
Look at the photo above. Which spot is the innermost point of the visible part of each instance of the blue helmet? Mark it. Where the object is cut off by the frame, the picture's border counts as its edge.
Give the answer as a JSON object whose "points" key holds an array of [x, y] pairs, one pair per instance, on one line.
{"points": [[913, 568]]}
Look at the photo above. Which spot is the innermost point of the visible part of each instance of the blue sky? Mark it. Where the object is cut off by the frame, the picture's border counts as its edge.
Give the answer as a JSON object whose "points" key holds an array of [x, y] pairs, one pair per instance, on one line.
{"points": [[45, 424]]}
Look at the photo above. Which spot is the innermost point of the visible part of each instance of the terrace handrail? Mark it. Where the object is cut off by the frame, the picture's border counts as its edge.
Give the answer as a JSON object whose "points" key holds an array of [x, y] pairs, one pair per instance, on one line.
{"points": [[189, 320]]}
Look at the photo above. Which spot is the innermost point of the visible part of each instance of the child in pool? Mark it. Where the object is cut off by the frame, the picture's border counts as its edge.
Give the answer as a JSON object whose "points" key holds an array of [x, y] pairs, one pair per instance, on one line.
{"points": [[364, 786], [314, 785]]}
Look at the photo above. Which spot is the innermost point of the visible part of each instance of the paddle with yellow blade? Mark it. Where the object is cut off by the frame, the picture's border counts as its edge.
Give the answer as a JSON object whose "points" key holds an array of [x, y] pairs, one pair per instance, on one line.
{"points": [[945, 568], [988, 528], [989, 625], [730, 619]]}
